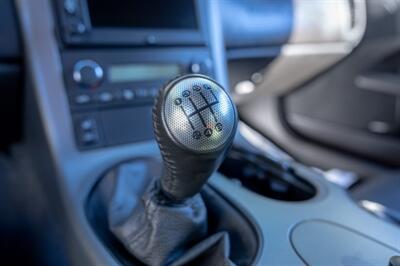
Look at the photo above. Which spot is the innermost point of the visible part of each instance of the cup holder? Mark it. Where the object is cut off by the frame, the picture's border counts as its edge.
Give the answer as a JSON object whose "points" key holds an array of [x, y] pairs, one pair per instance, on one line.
{"points": [[266, 177]]}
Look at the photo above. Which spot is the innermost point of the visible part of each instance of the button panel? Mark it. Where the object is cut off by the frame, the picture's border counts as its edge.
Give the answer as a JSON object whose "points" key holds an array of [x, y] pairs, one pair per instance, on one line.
{"points": [[82, 99], [119, 110], [88, 105], [128, 95], [87, 131], [75, 24], [71, 7], [105, 98]]}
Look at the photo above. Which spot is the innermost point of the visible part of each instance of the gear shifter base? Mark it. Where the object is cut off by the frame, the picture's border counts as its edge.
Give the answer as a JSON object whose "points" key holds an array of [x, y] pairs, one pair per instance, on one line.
{"points": [[150, 232], [114, 190]]}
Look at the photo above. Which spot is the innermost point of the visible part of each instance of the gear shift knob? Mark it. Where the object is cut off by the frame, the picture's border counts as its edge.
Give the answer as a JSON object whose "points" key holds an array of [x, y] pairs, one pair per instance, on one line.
{"points": [[194, 121]]}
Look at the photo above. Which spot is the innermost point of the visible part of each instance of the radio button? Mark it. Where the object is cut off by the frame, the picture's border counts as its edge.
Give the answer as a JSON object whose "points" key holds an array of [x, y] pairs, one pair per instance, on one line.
{"points": [[87, 73], [71, 6], [195, 68], [81, 99], [77, 28], [89, 138], [154, 92], [87, 124], [128, 94], [87, 131], [105, 97], [142, 93], [202, 67]]}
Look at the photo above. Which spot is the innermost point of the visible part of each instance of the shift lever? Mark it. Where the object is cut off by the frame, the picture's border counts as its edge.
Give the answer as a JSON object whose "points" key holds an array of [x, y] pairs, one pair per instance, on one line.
{"points": [[194, 121]]}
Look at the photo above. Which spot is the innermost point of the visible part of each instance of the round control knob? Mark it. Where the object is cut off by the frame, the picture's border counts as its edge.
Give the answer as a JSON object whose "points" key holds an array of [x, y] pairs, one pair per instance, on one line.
{"points": [[194, 121], [200, 67], [87, 73]]}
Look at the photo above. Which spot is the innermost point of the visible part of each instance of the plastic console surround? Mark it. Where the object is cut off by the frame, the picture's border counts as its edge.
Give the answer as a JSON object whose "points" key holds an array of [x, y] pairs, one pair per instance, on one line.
{"points": [[74, 174], [331, 221], [287, 228]]}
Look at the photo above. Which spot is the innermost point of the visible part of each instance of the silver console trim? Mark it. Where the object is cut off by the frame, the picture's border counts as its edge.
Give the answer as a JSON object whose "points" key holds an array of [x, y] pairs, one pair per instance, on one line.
{"points": [[276, 219], [262, 144]]}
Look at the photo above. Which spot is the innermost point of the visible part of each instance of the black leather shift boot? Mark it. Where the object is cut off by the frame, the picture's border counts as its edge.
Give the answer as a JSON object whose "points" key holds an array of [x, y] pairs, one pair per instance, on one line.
{"points": [[132, 221], [156, 231], [214, 250]]}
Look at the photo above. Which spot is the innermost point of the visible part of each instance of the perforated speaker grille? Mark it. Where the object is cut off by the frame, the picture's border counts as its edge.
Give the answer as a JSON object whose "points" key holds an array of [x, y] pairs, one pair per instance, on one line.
{"points": [[199, 114]]}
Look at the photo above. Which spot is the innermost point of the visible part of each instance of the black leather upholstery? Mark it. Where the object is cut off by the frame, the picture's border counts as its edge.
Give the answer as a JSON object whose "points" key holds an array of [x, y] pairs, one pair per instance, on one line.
{"points": [[214, 250]]}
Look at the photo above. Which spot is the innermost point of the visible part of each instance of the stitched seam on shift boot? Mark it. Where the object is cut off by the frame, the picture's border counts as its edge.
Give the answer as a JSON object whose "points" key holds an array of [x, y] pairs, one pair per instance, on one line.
{"points": [[138, 240], [146, 213]]}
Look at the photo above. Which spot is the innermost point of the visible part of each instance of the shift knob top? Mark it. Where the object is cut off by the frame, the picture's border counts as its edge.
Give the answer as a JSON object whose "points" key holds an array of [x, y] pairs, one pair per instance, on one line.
{"points": [[195, 121], [198, 114]]}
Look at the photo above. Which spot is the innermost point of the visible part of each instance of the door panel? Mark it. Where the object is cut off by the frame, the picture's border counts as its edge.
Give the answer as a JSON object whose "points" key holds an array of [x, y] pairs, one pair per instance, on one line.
{"points": [[345, 114]]}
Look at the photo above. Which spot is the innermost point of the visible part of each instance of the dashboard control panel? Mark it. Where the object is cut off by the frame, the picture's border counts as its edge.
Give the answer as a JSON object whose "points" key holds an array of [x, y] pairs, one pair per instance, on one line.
{"points": [[114, 66], [111, 92]]}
